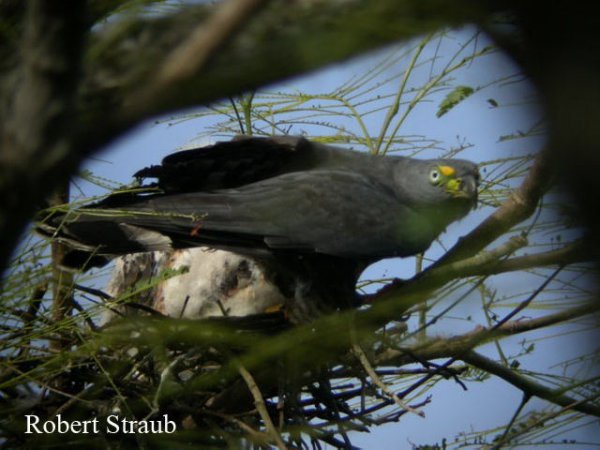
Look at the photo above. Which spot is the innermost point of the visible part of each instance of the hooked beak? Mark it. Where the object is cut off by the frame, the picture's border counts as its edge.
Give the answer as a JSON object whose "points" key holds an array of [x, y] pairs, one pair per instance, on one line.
{"points": [[464, 187]]}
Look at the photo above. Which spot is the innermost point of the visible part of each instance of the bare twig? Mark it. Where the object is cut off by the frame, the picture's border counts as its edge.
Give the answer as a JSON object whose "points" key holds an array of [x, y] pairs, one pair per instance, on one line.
{"points": [[521, 326], [97, 292], [261, 407], [62, 286], [255, 434], [206, 39], [569, 254], [458, 347], [525, 303], [444, 347], [500, 442], [418, 289], [166, 379], [529, 387], [29, 316], [196, 51], [364, 360], [436, 277], [423, 308], [85, 314], [541, 421]]}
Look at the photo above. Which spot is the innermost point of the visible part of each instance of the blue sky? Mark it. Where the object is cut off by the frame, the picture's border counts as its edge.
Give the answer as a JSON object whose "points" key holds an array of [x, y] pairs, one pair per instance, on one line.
{"points": [[476, 121]]}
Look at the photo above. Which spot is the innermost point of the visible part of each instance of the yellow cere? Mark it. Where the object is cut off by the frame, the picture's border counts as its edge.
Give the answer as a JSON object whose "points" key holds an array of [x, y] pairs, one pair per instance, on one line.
{"points": [[447, 171]]}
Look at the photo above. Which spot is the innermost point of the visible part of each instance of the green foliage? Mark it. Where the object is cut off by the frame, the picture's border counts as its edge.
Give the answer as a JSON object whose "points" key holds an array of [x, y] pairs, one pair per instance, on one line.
{"points": [[459, 94]]}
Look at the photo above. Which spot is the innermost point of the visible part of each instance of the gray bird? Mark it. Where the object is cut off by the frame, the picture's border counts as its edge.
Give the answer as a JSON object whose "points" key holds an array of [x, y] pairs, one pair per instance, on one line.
{"points": [[314, 215]]}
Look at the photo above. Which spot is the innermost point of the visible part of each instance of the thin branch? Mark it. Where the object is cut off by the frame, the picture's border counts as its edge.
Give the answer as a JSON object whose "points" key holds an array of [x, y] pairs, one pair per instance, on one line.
{"points": [[436, 277], [105, 296], [192, 55], [458, 347], [525, 303], [261, 407], [85, 314], [395, 106], [402, 294], [364, 360], [569, 254], [62, 281], [527, 386], [423, 308], [254, 434], [521, 326], [166, 378], [97, 292], [237, 115], [464, 343], [30, 315], [503, 439]]}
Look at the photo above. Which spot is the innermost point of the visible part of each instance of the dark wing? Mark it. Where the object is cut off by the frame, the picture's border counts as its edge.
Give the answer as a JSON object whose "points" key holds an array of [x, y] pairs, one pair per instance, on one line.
{"points": [[330, 212], [231, 164]]}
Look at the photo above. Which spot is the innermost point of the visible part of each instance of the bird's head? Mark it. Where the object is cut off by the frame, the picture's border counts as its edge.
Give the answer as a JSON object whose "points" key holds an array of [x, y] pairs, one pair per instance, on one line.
{"points": [[458, 179], [445, 187]]}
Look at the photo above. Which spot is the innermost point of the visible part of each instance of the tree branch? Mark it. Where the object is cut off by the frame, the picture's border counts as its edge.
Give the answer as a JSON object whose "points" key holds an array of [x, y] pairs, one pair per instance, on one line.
{"points": [[330, 330], [461, 347], [259, 403], [576, 252], [283, 40], [366, 364], [438, 276], [34, 137], [529, 387], [195, 52], [461, 344]]}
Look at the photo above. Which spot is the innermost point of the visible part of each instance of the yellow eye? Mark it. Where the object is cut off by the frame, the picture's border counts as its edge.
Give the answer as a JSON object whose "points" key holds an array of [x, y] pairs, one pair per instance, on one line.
{"points": [[434, 176]]}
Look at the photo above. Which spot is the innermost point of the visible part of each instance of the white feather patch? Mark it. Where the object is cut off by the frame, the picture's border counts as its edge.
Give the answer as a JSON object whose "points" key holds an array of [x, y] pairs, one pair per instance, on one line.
{"points": [[150, 240]]}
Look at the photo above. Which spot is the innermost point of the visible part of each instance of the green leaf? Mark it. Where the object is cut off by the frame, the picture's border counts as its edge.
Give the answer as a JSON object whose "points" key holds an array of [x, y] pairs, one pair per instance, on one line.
{"points": [[454, 98]]}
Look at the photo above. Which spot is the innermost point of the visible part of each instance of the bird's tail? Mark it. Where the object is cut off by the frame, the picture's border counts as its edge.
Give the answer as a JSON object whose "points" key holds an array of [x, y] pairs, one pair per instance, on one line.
{"points": [[95, 236], [99, 232]]}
